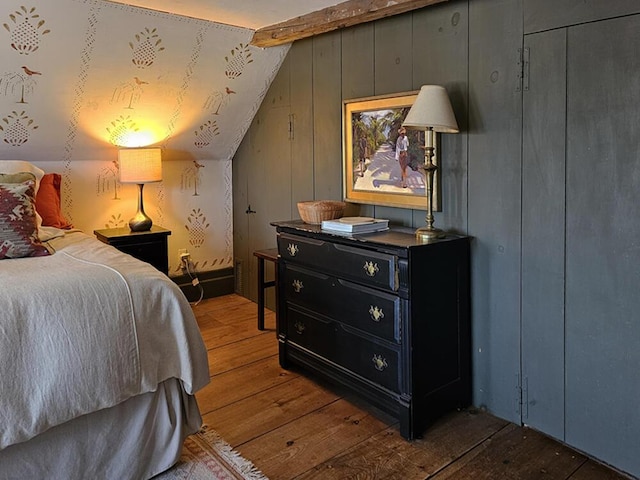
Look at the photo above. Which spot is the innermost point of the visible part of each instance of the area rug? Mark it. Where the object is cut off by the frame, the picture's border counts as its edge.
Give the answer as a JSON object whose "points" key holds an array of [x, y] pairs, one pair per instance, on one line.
{"points": [[206, 456]]}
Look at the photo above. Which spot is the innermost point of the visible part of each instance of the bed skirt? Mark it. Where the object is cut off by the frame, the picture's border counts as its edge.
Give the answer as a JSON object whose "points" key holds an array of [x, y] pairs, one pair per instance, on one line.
{"points": [[136, 439]]}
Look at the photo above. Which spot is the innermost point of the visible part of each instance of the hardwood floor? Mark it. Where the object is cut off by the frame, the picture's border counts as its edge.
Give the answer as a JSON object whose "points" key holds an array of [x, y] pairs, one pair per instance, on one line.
{"points": [[294, 426]]}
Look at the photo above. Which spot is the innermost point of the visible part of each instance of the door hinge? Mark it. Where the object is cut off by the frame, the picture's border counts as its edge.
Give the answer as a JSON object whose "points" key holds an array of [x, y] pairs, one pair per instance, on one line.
{"points": [[522, 397], [522, 82], [291, 119]]}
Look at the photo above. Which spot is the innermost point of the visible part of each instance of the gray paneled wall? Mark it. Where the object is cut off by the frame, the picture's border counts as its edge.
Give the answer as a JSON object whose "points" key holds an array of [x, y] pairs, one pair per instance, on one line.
{"points": [[549, 194], [495, 132]]}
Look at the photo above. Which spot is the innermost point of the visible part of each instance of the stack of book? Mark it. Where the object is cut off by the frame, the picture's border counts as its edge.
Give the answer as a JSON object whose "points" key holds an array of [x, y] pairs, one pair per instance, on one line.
{"points": [[352, 225]]}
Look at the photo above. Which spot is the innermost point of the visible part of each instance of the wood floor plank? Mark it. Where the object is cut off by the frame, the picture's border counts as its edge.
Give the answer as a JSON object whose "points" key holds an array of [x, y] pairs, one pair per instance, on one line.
{"points": [[241, 383], [515, 452], [265, 411], [293, 425], [292, 449], [217, 334], [242, 352], [387, 453]]}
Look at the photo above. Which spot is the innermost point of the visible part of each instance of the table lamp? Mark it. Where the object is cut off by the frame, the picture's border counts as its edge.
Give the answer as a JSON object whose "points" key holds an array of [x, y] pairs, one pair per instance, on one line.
{"points": [[430, 112], [140, 166]]}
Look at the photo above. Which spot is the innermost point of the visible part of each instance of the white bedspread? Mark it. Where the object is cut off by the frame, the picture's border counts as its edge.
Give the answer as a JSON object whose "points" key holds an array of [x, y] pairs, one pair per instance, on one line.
{"points": [[85, 329]]}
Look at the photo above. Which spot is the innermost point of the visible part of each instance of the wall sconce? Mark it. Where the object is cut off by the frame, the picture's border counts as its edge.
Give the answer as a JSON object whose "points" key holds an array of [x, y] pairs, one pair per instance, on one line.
{"points": [[430, 112], [140, 165]]}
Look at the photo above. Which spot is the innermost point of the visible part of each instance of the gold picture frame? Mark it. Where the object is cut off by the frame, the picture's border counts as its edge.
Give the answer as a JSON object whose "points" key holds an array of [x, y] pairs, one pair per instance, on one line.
{"points": [[371, 170]]}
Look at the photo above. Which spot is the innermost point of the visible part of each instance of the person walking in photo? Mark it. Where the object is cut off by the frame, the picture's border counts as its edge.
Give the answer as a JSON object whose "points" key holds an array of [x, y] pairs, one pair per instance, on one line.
{"points": [[402, 155], [362, 147]]}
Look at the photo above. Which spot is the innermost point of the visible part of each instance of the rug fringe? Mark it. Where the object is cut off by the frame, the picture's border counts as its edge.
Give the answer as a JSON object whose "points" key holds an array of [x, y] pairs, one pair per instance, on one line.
{"points": [[243, 466]]}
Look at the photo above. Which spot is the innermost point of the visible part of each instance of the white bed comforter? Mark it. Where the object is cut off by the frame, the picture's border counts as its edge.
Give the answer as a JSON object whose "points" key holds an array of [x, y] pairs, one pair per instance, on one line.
{"points": [[85, 329]]}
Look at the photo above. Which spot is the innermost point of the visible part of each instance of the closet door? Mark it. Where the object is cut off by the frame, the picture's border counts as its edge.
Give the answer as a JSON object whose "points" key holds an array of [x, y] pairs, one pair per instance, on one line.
{"points": [[580, 247], [603, 241], [543, 237]]}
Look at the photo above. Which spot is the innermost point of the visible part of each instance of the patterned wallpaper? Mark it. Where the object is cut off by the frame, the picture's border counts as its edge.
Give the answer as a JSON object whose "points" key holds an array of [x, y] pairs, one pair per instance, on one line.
{"points": [[80, 77]]}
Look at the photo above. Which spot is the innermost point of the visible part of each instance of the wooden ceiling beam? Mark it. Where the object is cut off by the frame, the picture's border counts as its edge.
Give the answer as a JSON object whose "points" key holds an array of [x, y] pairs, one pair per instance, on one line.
{"points": [[345, 14]]}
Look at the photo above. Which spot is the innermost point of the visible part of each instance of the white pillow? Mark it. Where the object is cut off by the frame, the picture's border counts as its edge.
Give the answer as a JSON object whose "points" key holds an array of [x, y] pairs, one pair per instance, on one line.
{"points": [[17, 166]]}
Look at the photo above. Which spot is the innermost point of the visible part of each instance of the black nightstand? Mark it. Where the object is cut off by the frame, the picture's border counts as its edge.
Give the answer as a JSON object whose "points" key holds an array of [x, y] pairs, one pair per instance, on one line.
{"points": [[150, 246]]}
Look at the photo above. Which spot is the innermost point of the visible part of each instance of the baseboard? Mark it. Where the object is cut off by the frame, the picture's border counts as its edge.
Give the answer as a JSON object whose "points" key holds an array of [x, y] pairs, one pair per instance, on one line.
{"points": [[215, 283]]}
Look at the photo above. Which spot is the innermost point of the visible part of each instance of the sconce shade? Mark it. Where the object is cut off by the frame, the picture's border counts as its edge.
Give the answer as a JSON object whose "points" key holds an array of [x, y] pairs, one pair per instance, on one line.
{"points": [[140, 165], [432, 109]]}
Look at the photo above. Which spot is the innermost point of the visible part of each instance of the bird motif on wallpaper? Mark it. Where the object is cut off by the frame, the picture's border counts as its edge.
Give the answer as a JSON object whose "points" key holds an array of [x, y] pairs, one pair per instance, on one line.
{"points": [[107, 180], [25, 37], [129, 92], [191, 177], [218, 99], [30, 72]]}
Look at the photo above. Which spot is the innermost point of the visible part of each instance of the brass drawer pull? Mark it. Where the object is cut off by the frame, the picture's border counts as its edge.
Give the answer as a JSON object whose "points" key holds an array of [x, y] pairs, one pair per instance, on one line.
{"points": [[376, 313], [371, 268], [299, 326], [292, 249], [379, 362], [297, 286]]}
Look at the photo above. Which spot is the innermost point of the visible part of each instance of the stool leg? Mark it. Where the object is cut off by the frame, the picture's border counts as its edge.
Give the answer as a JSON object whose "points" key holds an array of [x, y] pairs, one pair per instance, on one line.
{"points": [[260, 293]]}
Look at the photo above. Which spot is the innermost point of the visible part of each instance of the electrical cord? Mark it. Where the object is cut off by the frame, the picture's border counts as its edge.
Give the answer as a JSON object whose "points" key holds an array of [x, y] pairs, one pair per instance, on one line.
{"points": [[186, 267]]}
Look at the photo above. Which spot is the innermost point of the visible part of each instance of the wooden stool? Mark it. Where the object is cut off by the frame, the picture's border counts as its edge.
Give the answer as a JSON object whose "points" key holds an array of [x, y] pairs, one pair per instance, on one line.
{"points": [[270, 254]]}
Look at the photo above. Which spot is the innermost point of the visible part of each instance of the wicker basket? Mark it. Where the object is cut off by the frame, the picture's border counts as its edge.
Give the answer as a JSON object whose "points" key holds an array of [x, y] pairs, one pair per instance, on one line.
{"points": [[315, 211]]}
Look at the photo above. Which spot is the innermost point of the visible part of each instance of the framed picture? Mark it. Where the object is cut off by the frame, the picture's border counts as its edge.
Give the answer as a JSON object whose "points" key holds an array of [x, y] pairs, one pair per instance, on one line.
{"points": [[375, 168]]}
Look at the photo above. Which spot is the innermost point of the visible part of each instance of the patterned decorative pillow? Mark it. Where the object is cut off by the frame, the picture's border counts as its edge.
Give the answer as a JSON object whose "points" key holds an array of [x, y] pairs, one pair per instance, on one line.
{"points": [[18, 227]]}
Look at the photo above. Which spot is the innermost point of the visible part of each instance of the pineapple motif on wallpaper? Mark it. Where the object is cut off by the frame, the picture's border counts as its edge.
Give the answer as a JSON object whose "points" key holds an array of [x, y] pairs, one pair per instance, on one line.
{"points": [[206, 133], [120, 128], [239, 58], [116, 221], [196, 226], [16, 128], [19, 84], [25, 29], [145, 48], [191, 177]]}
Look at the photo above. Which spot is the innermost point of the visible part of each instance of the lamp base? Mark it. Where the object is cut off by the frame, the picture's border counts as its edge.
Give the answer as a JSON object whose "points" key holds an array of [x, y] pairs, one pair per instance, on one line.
{"points": [[140, 223], [429, 234]]}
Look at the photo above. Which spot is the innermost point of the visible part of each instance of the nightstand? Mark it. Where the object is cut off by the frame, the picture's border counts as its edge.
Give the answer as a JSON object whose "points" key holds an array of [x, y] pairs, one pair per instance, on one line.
{"points": [[150, 246]]}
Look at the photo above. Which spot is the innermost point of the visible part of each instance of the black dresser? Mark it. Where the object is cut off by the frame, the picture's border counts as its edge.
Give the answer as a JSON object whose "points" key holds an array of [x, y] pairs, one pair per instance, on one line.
{"points": [[379, 313]]}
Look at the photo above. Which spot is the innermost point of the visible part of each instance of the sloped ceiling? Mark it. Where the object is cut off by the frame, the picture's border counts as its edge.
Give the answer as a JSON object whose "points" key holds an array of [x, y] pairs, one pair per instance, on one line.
{"points": [[252, 14]]}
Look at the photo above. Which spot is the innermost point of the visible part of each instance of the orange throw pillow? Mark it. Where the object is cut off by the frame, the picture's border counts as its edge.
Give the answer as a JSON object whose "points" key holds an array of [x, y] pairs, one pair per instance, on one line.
{"points": [[48, 202]]}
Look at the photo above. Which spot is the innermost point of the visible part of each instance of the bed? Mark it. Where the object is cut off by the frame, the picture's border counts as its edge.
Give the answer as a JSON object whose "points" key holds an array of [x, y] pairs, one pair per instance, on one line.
{"points": [[100, 353]]}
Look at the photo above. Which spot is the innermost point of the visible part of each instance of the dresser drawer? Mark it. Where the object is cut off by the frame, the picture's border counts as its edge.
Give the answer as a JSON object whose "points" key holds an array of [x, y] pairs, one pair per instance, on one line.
{"points": [[367, 309], [365, 266], [375, 361]]}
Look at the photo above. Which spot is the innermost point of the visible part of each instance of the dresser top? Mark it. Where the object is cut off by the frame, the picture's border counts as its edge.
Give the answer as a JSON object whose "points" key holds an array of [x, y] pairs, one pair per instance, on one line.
{"points": [[398, 237]]}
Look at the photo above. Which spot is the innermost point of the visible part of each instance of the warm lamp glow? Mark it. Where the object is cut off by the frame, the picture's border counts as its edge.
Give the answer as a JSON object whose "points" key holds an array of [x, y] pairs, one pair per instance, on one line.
{"points": [[140, 165]]}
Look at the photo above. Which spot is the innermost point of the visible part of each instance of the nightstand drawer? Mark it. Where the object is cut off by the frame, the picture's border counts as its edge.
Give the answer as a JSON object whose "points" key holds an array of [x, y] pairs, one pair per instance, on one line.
{"points": [[361, 265], [372, 311]]}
